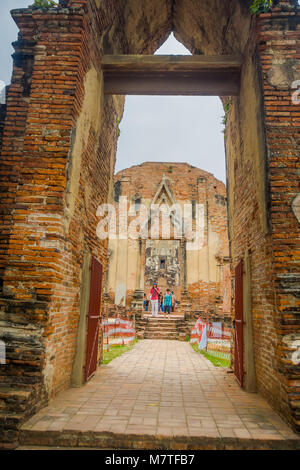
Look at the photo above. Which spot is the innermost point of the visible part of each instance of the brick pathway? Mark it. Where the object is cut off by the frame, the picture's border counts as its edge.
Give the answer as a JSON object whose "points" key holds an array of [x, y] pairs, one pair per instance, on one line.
{"points": [[162, 388]]}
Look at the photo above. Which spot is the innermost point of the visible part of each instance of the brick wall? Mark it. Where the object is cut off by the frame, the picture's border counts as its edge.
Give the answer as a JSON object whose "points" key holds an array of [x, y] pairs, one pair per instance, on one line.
{"points": [[260, 194], [279, 47], [43, 239]]}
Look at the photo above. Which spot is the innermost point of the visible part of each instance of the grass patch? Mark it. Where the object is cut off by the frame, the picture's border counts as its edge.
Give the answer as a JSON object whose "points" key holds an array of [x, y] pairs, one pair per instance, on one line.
{"points": [[216, 361], [116, 351]]}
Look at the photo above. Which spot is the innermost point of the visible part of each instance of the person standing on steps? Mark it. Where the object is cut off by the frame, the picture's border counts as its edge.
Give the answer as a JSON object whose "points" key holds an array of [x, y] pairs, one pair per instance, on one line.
{"points": [[173, 301], [154, 297], [168, 302], [146, 303], [161, 302]]}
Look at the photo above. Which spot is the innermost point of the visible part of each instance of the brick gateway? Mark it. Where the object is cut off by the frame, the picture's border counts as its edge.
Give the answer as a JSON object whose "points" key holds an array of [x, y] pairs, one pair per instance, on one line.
{"points": [[58, 145]]}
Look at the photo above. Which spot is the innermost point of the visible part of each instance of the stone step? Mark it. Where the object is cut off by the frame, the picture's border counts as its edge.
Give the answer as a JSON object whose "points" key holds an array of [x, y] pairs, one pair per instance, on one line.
{"points": [[11, 419], [163, 327], [164, 317], [14, 406], [157, 332], [157, 329], [73, 439], [161, 331], [160, 336], [162, 322], [14, 400], [158, 326]]}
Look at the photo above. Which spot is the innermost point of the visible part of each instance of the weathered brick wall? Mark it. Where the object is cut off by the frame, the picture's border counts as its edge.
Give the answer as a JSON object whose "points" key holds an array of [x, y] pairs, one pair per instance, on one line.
{"points": [[50, 197], [17, 318], [279, 47], [262, 184]]}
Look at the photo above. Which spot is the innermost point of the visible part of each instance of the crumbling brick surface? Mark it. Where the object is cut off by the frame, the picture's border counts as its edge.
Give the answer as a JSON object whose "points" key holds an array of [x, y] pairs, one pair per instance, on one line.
{"points": [[279, 45], [43, 239]]}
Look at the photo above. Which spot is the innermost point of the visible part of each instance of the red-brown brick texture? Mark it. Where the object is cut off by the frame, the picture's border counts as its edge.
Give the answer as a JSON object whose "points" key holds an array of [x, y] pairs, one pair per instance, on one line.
{"points": [[279, 47], [42, 245]]}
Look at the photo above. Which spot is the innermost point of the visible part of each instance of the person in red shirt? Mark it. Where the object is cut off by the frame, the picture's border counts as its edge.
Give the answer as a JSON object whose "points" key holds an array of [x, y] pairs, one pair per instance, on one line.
{"points": [[154, 295]]}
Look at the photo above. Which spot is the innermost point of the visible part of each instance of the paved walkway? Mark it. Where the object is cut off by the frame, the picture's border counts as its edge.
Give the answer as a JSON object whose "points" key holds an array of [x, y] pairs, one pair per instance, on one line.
{"points": [[162, 388]]}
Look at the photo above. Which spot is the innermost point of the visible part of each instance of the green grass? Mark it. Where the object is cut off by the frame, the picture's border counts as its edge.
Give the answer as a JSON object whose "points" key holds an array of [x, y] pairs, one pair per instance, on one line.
{"points": [[115, 351], [216, 361]]}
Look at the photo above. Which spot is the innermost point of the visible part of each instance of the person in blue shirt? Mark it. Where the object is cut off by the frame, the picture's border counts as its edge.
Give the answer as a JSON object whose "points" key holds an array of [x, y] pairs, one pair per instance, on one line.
{"points": [[161, 302], [168, 302]]}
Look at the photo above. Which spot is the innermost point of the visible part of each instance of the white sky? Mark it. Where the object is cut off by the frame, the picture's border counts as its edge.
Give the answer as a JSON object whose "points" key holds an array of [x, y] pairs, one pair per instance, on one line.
{"points": [[8, 34], [173, 128], [153, 128]]}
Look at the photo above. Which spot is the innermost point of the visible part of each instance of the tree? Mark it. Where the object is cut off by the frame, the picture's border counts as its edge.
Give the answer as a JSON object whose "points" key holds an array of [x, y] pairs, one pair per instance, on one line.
{"points": [[260, 6]]}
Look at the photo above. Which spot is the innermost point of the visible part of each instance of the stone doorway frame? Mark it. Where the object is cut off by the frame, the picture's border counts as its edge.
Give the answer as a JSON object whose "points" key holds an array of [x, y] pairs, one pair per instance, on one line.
{"points": [[172, 75]]}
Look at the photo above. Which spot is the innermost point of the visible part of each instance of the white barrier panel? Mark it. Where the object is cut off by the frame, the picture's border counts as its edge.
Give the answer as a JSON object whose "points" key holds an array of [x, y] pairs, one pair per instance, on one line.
{"points": [[118, 331]]}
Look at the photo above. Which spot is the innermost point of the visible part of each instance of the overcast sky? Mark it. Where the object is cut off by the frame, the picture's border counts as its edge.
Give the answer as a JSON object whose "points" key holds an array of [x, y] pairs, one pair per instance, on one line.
{"points": [[173, 128], [154, 128]]}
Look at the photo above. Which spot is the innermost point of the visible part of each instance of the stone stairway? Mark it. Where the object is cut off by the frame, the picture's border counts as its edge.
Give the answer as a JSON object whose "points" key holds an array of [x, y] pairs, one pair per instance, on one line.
{"points": [[13, 412], [168, 327]]}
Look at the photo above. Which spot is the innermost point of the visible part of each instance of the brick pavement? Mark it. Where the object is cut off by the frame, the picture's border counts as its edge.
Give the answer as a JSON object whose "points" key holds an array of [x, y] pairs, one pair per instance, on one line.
{"points": [[160, 388]]}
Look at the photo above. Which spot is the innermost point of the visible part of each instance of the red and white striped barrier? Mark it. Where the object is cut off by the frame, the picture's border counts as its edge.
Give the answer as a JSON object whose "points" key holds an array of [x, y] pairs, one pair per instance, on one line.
{"points": [[212, 336], [117, 331], [197, 332]]}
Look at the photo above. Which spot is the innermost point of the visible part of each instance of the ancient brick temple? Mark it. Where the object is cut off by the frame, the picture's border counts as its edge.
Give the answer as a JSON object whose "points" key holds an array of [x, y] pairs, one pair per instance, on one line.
{"points": [[198, 270], [59, 133]]}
